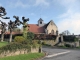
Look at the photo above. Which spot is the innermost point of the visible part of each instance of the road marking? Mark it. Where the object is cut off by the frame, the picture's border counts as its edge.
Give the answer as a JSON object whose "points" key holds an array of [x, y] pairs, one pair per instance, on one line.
{"points": [[57, 54]]}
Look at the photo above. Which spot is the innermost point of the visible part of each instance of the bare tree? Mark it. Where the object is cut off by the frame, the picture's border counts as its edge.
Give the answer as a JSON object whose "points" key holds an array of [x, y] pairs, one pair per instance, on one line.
{"points": [[66, 32], [3, 24]]}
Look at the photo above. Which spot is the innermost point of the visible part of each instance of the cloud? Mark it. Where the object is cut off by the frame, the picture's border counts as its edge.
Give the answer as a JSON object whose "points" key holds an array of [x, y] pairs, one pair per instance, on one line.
{"points": [[41, 3], [66, 15], [68, 4], [32, 14], [69, 21], [70, 18], [18, 3], [3, 20], [26, 3]]}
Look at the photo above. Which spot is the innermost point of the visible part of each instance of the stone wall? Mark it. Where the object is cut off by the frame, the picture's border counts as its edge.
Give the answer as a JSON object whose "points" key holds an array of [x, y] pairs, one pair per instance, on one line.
{"points": [[17, 52], [49, 42], [75, 44]]}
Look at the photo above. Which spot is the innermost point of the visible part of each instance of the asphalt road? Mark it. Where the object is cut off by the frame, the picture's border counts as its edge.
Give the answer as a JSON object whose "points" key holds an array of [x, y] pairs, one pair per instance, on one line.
{"points": [[59, 54]]}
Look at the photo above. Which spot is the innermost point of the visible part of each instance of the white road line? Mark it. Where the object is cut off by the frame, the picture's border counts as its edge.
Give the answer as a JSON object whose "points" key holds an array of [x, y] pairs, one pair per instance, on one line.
{"points": [[57, 54]]}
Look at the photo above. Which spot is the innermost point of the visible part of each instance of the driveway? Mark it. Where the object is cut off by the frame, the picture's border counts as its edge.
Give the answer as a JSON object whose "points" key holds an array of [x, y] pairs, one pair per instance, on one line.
{"points": [[61, 54]]}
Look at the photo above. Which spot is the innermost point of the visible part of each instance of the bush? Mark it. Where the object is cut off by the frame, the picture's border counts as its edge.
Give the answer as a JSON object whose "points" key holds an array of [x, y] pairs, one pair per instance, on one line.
{"points": [[19, 39], [14, 46], [43, 43], [30, 36], [39, 42], [67, 45], [76, 39]]}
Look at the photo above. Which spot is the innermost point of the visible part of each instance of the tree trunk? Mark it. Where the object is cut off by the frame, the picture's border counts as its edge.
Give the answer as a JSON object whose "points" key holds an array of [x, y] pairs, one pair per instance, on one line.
{"points": [[2, 37], [10, 37]]}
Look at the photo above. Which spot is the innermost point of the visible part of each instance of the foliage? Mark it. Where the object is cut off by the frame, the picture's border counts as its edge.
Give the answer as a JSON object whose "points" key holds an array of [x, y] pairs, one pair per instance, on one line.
{"points": [[66, 32], [30, 56], [36, 43], [30, 35], [67, 45], [14, 46], [39, 42], [19, 39], [63, 46], [27, 42], [3, 44], [43, 43], [75, 39], [29, 38]]}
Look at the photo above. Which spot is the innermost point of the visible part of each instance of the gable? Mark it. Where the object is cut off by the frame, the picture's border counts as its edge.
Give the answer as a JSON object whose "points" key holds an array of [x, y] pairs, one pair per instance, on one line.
{"points": [[51, 23]]}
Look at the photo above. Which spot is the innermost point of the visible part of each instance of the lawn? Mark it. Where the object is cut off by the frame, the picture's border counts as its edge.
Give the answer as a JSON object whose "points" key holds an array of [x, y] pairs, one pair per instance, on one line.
{"points": [[30, 56], [3, 43]]}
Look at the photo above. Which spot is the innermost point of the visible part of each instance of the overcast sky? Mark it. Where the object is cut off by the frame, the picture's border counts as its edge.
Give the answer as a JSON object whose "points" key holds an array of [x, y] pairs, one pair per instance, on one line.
{"points": [[64, 13]]}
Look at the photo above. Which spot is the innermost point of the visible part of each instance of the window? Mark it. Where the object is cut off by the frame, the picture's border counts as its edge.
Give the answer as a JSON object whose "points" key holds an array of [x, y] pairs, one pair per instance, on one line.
{"points": [[40, 22], [52, 32], [46, 31], [56, 32]]}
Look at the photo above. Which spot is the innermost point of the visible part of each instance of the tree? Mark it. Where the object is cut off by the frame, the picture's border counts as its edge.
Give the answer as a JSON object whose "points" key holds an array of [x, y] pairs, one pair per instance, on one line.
{"points": [[3, 24], [66, 32], [3, 28], [76, 39], [30, 35], [18, 30], [25, 27], [12, 25], [16, 23]]}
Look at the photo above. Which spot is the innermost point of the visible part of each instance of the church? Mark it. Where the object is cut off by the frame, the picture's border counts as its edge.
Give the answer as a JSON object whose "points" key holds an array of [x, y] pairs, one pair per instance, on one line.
{"points": [[49, 28], [42, 28]]}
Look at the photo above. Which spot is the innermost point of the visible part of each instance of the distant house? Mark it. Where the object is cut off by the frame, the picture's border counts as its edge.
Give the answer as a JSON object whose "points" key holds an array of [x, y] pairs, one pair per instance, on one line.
{"points": [[42, 28]]}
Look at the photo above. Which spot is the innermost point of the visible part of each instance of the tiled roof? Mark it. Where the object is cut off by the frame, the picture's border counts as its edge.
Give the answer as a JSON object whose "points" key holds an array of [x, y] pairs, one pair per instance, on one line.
{"points": [[12, 33], [36, 29], [48, 24]]}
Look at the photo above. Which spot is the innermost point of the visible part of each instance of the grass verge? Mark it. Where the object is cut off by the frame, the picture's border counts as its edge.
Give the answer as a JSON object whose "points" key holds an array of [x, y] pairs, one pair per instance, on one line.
{"points": [[3, 44], [30, 56]]}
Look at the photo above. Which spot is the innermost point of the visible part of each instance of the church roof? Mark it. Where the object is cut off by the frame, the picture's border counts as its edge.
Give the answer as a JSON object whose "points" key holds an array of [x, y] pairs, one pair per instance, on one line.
{"points": [[49, 23], [36, 29], [40, 19]]}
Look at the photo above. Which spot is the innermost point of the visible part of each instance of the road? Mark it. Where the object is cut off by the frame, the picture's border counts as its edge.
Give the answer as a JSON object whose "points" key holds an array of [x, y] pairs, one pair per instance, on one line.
{"points": [[61, 54]]}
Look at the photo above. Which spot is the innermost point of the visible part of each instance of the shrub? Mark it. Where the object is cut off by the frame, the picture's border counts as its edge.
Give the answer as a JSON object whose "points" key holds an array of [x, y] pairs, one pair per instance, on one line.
{"points": [[30, 35], [75, 39], [19, 39], [43, 43], [39, 42], [67, 45], [14, 46]]}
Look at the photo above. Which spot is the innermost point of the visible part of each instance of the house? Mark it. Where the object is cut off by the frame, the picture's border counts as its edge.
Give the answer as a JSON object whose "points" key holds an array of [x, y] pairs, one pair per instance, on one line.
{"points": [[42, 28]]}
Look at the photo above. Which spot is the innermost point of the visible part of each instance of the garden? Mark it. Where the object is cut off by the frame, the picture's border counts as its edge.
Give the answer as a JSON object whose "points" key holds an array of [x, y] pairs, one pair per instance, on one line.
{"points": [[21, 46]]}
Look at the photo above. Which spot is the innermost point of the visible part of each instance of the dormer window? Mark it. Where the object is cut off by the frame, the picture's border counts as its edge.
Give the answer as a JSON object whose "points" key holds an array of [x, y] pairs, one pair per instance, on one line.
{"points": [[40, 22]]}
